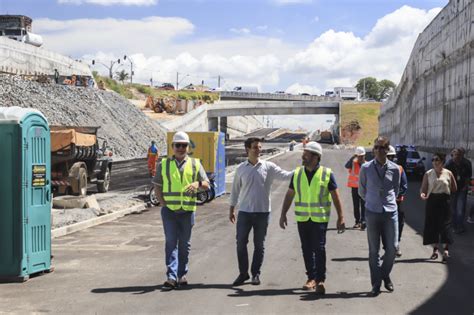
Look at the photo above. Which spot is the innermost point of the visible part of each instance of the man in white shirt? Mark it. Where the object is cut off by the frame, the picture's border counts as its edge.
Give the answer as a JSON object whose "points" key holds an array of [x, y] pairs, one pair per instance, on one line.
{"points": [[251, 189]]}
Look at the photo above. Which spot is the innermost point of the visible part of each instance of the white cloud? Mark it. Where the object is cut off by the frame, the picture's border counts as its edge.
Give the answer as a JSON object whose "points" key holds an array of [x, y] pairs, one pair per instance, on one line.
{"points": [[262, 28], [82, 36], [297, 88], [342, 57], [111, 2], [315, 19], [160, 47], [240, 31]]}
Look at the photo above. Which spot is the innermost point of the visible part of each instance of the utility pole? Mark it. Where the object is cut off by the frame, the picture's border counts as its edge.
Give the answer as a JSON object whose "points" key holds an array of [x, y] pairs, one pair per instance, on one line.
{"points": [[218, 81], [364, 89], [177, 80]]}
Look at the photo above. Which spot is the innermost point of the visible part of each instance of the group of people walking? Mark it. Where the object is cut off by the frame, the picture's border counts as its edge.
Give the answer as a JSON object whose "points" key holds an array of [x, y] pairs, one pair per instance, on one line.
{"points": [[378, 188]]}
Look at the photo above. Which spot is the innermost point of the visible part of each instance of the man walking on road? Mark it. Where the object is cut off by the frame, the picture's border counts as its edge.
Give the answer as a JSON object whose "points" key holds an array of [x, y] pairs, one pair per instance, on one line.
{"points": [[314, 187], [400, 197], [251, 190], [462, 171], [152, 156], [379, 185], [177, 180], [353, 166]]}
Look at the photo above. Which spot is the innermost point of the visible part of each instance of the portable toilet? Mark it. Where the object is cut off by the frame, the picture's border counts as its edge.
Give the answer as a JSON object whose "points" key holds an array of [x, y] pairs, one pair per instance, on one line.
{"points": [[25, 194]]}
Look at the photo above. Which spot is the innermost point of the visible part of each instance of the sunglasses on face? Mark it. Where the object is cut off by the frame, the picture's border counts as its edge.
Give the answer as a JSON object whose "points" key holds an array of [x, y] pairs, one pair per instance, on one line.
{"points": [[181, 145], [380, 147]]}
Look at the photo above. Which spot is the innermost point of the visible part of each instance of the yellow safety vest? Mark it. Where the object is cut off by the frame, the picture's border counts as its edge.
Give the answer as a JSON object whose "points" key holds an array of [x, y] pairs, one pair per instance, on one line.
{"points": [[312, 201], [174, 184]]}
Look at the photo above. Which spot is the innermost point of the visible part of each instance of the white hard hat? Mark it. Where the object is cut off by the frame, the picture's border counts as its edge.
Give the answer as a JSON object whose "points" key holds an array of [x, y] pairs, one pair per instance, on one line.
{"points": [[360, 151], [391, 150], [181, 137], [314, 147]]}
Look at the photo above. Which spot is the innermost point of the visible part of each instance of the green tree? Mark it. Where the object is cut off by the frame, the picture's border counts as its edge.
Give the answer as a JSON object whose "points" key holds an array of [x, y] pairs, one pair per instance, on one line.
{"points": [[121, 76], [368, 88], [386, 88]]}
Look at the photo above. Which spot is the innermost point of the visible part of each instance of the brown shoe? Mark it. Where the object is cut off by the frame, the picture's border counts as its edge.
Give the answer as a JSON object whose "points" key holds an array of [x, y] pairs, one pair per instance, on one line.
{"points": [[310, 285], [320, 289]]}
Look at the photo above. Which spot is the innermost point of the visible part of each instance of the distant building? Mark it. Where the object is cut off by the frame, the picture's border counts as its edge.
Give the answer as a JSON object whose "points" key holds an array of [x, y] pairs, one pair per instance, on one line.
{"points": [[347, 93]]}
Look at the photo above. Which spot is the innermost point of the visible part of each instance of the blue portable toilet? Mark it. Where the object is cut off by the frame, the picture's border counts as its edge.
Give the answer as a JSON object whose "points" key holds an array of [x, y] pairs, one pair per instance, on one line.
{"points": [[25, 194]]}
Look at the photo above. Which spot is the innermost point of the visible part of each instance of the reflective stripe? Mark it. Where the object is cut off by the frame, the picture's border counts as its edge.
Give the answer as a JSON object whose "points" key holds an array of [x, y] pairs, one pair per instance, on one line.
{"points": [[193, 163], [168, 173], [171, 194], [312, 204], [298, 180], [312, 214], [322, 188]]}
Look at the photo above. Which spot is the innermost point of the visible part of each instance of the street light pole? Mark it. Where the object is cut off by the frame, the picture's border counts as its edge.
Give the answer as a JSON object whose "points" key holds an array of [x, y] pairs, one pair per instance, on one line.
{"points": [[131, 67]]}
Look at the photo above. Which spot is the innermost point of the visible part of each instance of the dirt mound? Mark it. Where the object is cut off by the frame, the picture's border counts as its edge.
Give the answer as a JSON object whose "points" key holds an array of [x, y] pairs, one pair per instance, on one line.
{"points": [[351, 132], [127, 130]]}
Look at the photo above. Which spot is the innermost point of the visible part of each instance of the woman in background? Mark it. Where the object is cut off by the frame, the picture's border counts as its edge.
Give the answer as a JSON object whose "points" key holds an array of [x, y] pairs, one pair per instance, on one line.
{"points": [[437, 186]]}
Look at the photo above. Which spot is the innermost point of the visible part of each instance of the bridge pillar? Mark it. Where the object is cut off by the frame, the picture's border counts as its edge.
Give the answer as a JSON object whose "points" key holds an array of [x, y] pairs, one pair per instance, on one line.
{"points": [[223, 125], [213, 124]]}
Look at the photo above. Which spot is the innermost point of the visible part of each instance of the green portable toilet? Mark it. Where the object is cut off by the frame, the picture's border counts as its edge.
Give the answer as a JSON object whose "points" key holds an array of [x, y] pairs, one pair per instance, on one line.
{"points": [[25, 194]]}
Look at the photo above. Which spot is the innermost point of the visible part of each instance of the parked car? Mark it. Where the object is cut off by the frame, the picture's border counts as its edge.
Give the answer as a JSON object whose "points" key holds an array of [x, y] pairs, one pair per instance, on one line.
{"points": [[410, 159]]}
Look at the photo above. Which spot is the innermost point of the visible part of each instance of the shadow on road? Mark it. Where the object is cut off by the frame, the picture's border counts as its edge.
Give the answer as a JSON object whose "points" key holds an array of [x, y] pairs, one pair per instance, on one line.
{"points": [[133, 290], [351, 259], [240, 292], [455, 296], [311, 296]]}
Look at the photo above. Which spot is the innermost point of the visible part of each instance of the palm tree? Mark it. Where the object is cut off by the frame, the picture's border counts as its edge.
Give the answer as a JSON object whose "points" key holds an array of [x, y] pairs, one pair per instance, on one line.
{"points": [[121, 75]]}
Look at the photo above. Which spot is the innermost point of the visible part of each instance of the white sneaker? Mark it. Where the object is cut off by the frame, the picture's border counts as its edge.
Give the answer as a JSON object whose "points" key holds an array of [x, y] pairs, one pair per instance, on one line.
{"points": [[470, 220]]}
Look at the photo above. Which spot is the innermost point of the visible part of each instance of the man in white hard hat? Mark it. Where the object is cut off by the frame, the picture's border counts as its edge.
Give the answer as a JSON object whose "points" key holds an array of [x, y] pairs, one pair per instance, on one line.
{"points": [[353, 166], [391, 154], [314, 187], [177, 181]]}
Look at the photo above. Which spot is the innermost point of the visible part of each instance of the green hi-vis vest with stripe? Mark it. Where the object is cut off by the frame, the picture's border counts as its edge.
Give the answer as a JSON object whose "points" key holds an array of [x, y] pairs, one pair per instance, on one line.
{"points": [[312, 201], [174, 185]]}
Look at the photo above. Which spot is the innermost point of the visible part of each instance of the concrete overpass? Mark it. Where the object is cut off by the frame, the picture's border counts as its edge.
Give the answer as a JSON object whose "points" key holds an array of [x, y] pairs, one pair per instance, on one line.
{"points": [[217, 113]]}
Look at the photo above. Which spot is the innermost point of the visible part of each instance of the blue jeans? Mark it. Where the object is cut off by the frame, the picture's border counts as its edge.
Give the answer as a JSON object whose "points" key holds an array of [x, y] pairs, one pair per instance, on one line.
{"points": [[245, 222], [313, 244], [177, 227], [381, 226], [458, 207]]}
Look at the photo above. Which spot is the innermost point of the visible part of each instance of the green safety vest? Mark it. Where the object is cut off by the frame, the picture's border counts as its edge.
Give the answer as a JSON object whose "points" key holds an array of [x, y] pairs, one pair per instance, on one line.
{"points": [[174, 184], [312, 201]]}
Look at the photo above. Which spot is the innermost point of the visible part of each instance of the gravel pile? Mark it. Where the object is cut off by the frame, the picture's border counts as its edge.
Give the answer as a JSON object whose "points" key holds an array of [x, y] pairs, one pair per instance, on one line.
{"points": [[127, 130]]}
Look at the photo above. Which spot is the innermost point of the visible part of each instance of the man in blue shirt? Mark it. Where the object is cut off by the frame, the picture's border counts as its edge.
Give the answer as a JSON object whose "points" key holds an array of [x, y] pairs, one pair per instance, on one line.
{"points": [[379, 185]]}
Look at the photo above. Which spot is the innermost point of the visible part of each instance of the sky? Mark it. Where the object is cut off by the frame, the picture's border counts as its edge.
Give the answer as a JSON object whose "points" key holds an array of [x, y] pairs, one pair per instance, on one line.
{"points": [[297, 46]]}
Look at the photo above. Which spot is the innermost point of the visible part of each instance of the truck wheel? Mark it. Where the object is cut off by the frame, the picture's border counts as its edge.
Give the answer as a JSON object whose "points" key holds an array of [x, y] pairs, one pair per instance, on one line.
{"points": [[202, 197], [153, 199], [82, 181], [103, 187]]}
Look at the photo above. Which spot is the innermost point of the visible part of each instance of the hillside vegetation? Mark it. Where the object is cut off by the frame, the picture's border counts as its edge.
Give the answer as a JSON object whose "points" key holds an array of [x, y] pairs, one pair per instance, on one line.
{"points": [[128, 90], [361, 116]]}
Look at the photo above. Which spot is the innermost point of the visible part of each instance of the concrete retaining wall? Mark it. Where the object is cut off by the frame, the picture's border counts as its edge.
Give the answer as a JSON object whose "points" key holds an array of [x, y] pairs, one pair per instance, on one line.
{"points": [[431, 106], [24, 59]]}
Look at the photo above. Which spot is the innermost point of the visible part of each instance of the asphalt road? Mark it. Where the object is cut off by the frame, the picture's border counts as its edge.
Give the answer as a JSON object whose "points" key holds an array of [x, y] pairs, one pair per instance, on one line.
{"points": [[118, 268]]}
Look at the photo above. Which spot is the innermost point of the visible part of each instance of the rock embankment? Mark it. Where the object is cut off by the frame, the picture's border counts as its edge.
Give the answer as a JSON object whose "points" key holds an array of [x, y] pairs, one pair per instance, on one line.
{"points": [[125, 128]]}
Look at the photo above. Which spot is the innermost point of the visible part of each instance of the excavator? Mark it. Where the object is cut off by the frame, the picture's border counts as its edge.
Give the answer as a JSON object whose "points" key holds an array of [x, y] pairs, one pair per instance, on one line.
{"points": [[160, 105]]}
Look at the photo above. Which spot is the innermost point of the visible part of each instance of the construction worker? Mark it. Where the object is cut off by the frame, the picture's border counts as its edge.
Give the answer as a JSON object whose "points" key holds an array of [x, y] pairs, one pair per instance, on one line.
{"points": [[353, 166], [177, 181], [391, 154], [314, 187], [152, 158]]}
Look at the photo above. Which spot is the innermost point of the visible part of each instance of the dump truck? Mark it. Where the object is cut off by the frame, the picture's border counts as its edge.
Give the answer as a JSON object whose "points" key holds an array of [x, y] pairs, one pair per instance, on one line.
{"points": [[77, 159]]}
